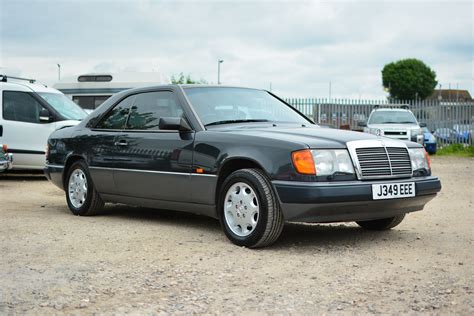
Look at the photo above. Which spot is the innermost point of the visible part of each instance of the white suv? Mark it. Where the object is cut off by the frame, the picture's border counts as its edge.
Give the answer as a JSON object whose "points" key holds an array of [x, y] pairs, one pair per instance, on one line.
{"points": [[29, 113], [394, 122]]}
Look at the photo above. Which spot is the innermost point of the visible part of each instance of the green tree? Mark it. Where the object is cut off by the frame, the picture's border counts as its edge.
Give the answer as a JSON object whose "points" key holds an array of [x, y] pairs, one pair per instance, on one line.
{"points": [[409, 79], [181, 79]]}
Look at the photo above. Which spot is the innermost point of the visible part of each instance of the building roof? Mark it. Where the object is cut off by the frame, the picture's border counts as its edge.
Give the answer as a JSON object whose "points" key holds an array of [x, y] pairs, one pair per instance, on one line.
{"points": [[450, 95]]}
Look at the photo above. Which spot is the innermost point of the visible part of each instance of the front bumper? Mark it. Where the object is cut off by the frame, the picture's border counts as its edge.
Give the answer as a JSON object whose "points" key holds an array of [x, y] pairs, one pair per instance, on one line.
{"points": [[348, 200], [414, 138]]}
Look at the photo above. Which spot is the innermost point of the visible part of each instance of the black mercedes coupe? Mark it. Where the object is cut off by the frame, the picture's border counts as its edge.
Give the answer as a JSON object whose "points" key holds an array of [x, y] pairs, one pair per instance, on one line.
{"points": [[240, 155]]}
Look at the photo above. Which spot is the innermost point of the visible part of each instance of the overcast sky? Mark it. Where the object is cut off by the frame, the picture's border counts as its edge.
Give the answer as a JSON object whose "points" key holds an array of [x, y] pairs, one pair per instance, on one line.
{"points": [[297, 46]]}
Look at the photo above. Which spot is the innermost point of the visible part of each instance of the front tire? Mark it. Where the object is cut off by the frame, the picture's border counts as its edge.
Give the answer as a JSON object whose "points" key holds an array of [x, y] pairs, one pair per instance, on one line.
{"points": [[383, 223], [249, 210], [81, 196]]}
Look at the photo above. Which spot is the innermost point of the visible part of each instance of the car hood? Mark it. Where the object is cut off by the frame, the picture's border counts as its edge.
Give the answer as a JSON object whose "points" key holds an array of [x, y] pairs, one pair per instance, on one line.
{"points": [[67, 123], [311, 136]]}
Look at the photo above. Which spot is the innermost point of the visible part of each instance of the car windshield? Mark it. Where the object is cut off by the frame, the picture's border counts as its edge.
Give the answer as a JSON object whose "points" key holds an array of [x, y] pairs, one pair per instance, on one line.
{"points": [[64, 106], [392, 117], [215, 105]]}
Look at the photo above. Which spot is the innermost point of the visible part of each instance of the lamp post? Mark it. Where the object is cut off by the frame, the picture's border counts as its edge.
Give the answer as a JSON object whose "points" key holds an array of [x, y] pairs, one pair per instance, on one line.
{"points": [[59, 72], [219, 62]]}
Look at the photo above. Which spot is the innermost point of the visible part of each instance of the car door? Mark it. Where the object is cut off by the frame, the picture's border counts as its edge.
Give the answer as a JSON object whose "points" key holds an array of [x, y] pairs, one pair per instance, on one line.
{"points": [[23, 130], [101, 147], [154, 163]]}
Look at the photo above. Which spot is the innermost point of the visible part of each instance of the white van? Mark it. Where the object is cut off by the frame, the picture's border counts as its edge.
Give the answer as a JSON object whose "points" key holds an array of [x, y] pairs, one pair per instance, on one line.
{"points": [[30, 112]]}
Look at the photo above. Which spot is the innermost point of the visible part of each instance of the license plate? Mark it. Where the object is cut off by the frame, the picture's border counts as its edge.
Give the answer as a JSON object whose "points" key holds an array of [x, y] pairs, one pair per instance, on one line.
{"points": [[393, 190]]}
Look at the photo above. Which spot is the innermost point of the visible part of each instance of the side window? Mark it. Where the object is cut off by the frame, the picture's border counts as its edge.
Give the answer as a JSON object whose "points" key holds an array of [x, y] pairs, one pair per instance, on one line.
{"points": [[21, 107], [148, 108], [117, 117]]}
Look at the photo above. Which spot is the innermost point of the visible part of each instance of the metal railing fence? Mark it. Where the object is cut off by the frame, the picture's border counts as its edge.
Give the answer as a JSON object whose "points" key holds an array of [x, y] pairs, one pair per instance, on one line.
{"points": [[449, 121]]}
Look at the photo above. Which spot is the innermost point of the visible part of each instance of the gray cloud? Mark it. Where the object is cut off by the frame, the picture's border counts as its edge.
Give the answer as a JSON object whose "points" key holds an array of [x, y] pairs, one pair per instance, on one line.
{"points": [[297, 46]]}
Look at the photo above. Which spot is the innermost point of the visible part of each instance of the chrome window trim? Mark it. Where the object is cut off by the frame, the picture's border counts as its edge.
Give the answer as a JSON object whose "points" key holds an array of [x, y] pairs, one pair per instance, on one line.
{"points": [[191, 106]]}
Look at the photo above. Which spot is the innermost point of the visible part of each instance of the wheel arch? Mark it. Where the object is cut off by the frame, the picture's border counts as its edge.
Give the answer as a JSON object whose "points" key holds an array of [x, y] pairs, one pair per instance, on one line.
{"points": [[233, 164], [72, 158]]}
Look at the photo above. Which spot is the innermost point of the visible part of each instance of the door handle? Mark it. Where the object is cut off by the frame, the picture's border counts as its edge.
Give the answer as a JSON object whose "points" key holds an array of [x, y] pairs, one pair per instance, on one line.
{"points": [[121, 143]]}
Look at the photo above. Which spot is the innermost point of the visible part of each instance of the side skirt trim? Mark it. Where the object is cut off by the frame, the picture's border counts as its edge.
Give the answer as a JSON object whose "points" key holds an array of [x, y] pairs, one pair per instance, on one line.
{"points": [[200, 209], [153, 171]]}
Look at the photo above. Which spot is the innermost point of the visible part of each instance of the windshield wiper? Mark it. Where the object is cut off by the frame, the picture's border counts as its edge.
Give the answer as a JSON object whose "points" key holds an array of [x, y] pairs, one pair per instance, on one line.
{"points": [[235, 121]]}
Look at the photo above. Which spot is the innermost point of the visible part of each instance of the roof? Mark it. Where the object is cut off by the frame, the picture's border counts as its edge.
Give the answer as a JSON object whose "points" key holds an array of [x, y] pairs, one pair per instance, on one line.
{"points": [[212, 86], [21, 85], [391, 109], [131, 78], [451, 95], [151, 87]]}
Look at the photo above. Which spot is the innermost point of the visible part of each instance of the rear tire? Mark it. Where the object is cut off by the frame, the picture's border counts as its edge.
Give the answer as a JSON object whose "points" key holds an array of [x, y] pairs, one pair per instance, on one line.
{"points": [[383, 223], [81, 196], [249, 210]]}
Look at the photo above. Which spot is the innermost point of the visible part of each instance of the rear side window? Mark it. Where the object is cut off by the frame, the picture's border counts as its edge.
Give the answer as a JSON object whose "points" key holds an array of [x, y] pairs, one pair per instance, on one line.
{"points": [[148, 108], [21, 107], [117, 117]]}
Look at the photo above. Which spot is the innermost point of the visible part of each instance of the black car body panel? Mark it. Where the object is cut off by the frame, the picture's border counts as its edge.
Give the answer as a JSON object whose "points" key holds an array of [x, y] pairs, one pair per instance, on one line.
{"points": [[352, 200], [183, 170]]}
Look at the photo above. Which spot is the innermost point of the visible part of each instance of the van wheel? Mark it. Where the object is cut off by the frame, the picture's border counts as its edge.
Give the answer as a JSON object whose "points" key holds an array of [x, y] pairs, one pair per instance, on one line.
{"points": [[249, 210], [383, 223], [81, 196]]}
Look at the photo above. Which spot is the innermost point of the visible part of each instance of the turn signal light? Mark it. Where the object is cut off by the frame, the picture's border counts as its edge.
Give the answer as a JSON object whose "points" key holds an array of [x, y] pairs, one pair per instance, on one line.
{"points": [[5, 148], [303, 162], [428, 159]]}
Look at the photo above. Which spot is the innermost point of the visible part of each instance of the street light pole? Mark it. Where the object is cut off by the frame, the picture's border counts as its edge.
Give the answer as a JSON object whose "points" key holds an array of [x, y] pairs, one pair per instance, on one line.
{"points": [[59, 72], [330, 83], [219, 62]]}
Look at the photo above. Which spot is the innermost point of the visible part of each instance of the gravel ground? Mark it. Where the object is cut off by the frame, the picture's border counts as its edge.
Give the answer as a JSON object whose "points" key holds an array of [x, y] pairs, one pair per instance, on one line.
{"points": [[135, 260]]}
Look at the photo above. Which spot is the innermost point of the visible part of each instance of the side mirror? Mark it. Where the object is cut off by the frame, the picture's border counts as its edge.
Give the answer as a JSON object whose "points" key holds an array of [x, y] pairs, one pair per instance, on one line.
{"points": [[44, 116], [174, 124], [362, 123], [422, 124]]}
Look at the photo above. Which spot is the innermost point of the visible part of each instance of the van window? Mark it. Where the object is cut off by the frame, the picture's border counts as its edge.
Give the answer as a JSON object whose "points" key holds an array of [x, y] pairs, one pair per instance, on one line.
{"points": [[21, 107], [90, 102], [63, 105]]}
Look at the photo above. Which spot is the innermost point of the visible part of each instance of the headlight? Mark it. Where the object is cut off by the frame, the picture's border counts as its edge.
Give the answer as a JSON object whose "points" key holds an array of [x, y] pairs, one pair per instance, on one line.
{"points": [[325, 162], [376, 131], [419, 159], [416, 131]]}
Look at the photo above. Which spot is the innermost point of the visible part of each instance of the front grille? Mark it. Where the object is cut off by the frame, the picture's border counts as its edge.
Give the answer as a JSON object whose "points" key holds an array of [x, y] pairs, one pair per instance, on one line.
{"points": [[392, 133], [384, 162]]}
